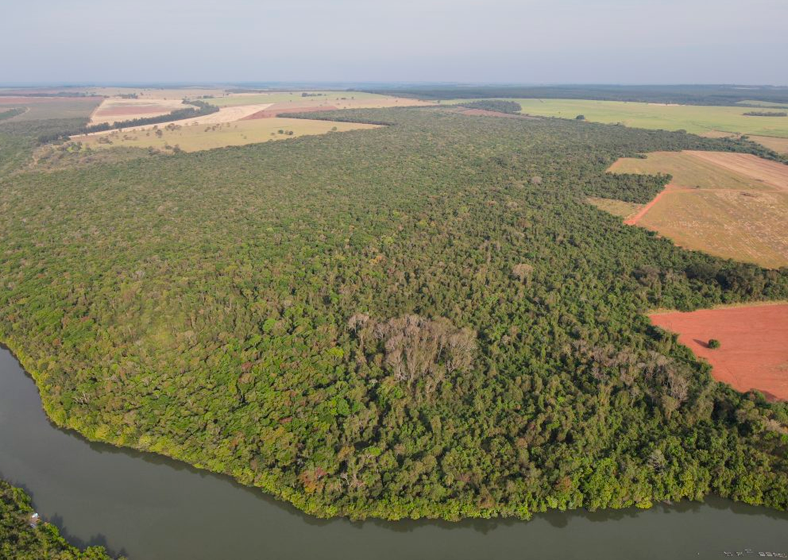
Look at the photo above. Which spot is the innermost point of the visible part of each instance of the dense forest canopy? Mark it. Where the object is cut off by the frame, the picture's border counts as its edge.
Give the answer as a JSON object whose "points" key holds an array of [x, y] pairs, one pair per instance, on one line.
{"points": [[425, 319], [509, 107], [684, 94]]}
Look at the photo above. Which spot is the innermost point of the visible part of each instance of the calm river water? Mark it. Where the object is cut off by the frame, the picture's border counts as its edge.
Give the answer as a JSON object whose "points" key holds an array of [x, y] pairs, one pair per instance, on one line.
{"points": [[151, 508]]}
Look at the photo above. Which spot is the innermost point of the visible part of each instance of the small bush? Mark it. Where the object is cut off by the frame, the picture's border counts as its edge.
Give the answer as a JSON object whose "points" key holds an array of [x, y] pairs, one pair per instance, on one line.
{"points": [[714, 343]]}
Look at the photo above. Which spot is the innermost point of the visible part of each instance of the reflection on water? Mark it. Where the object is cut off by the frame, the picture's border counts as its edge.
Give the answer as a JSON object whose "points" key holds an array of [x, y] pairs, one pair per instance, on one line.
{"points": [[151, 508]]}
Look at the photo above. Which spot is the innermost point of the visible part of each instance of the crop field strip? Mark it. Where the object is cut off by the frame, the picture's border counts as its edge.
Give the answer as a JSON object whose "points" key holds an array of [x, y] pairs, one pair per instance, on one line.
{"points": [[729, 205], [696, 119]]}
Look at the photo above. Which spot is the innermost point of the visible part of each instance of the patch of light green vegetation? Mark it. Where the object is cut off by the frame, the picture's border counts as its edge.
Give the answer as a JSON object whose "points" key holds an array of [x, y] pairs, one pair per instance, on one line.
{"points": [[696, 119]]}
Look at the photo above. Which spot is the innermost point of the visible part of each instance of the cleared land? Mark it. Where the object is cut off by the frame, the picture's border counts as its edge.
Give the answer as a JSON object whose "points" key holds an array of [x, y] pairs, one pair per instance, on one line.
{"points": [[692, 118], [761, 170], [616, 207], [196, 137], [728, 205], [754, 344], [223, 116], [706, 170], [117, 109], [779, 145]]}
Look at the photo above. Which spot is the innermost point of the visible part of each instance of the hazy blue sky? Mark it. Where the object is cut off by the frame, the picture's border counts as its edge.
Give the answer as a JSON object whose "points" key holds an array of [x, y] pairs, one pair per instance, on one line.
{"points": [[529, 41]]}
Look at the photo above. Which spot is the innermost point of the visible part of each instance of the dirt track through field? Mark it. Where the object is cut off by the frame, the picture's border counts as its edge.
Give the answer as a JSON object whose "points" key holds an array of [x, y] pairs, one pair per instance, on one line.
{"points": [[753, 351], [635, 218]]}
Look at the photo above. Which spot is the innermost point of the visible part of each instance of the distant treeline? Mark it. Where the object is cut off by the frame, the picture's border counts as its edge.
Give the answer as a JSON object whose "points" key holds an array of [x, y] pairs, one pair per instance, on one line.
{"points": [[766, 114], [689, 94], [202, 109], [11, 113], [495, 105]]}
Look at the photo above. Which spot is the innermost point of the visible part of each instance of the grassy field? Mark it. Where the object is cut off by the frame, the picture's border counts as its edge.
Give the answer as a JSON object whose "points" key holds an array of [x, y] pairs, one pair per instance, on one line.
{"points": [[192, 138], [722, 212], [615, 207], [756, 103], [692, 118], [742, 225], [687, 171]]}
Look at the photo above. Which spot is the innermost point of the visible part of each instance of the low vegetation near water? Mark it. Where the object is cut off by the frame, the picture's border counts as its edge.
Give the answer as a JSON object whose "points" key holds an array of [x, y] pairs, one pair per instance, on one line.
{"points": [[22, 538], [425, 319]]}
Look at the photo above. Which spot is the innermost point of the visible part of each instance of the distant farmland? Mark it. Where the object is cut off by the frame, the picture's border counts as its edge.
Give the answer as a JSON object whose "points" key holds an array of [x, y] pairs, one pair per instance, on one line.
{"points": [[337, 99], [692, 118], [50, 107]]}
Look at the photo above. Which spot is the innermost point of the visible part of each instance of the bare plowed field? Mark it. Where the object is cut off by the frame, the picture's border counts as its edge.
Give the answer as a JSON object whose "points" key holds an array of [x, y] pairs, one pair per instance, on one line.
{"points": [[753, 352]]}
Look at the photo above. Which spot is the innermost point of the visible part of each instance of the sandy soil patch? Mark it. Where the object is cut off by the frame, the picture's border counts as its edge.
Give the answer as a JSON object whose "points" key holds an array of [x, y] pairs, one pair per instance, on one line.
{"points": [[115, 110], [754, 344]]}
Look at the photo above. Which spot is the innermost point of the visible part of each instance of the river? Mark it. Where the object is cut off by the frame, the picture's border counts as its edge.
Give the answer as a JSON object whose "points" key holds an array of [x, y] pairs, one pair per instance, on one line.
{"points": [[152, 508]]}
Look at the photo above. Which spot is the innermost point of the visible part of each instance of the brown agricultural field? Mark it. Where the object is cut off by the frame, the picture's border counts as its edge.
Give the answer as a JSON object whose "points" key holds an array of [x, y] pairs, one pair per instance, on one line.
{"points": [[753, 352], [747, 165], [726, 204], [779, 145]]}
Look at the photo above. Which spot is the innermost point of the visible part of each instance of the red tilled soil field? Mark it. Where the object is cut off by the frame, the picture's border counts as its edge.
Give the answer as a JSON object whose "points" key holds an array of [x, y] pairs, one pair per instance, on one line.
{"points": [[280, 108], [753, 352]]}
